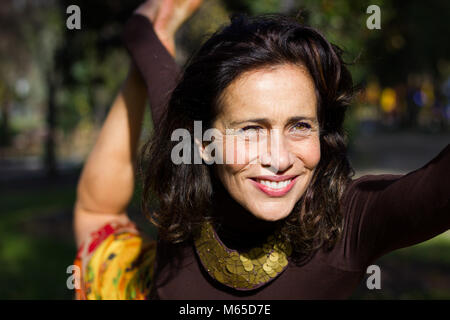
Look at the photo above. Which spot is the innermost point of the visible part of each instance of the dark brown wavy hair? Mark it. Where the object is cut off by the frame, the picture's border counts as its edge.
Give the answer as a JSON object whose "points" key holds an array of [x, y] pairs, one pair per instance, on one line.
{"points": [[185, 191]]}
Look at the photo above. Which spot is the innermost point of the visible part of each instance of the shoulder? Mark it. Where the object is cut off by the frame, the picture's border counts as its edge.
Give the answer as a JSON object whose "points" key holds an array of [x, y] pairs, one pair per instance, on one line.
{"points": [[116, 262], [365, 186], [431, 177]]}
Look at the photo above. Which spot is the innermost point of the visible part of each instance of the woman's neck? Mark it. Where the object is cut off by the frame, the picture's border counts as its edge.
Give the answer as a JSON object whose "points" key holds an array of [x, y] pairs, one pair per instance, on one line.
{"points": [[237, 228]]}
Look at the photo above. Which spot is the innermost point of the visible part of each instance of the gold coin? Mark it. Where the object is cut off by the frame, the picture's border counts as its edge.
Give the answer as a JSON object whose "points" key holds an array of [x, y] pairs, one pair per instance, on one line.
{"points": [[240, 269], [248, 267], [257, 267], [260, 278], [219, 276], [267, 268], [272, 274], [234, 255], [271, 263], [278, 268], [243, 258], [283, 261], [262, 259], [240, 282], [246, 276], [231, 267], [274, 256]]}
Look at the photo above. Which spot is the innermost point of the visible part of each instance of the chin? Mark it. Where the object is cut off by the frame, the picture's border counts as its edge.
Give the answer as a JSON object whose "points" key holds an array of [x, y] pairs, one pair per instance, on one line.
{"points": [[272, 213]]}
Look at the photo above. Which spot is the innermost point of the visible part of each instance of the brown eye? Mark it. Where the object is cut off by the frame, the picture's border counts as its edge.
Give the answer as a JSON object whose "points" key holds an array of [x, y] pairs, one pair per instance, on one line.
{"points": [[301, 128], [251, 130]]}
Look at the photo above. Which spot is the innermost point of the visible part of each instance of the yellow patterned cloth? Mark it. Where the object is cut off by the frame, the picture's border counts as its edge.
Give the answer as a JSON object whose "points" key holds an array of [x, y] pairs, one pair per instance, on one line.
{"points": [[116, 262]]}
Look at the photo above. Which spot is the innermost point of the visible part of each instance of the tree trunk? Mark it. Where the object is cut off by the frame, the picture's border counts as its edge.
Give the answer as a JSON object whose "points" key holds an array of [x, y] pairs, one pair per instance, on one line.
{"points": [[5, 133], [50, 163]]}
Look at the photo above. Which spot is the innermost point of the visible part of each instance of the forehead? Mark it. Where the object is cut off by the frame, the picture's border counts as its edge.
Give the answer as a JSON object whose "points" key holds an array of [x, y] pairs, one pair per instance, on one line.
{"points": [[273, 92]]}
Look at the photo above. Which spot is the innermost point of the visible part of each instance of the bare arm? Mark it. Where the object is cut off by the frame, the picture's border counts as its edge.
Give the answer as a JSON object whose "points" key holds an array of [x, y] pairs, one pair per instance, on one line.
{"points": [[107, 182]]}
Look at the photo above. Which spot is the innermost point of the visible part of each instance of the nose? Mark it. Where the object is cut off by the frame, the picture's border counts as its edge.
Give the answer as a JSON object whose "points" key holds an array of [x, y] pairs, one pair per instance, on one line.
{"points": [[279, 158]]}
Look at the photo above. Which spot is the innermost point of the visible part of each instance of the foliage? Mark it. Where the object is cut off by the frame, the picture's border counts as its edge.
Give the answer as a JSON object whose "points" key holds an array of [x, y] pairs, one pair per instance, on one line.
{"points": [[86, 66]]}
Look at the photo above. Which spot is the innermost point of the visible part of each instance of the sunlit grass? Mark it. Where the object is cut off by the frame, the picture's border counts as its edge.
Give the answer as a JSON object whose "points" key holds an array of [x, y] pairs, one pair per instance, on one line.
{"points": [[33, 267], [421, 271]]}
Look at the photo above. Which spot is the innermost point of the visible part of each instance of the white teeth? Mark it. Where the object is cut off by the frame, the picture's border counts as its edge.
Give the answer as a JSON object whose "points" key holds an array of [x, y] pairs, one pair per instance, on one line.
{"points": [[275, 185]]}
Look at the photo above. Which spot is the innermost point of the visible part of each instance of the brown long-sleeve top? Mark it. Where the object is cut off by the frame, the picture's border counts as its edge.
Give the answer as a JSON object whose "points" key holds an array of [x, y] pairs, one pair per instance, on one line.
{"points": [[381, 213]]}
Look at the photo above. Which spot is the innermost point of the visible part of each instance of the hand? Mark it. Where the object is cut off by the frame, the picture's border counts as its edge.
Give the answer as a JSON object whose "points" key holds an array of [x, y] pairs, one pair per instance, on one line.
{"points": [[172, 14], [167, 16], [149, 9]]}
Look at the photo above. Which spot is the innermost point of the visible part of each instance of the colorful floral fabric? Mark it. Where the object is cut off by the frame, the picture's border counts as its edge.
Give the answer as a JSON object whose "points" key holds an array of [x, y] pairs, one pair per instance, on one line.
{"points": [[116, 262]]}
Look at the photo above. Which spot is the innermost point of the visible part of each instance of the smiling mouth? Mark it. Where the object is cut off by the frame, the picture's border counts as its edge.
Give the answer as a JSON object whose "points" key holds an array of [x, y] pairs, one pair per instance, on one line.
{"points": [[274, 186]]}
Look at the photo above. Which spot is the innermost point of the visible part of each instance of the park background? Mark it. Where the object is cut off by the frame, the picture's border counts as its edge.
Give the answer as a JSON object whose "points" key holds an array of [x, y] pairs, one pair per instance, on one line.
{"points": [[56, 86]]}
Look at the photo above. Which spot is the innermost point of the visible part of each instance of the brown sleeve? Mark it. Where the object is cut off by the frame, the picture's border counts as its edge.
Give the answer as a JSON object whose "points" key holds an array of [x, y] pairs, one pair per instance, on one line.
{"points": [[388, 212], [156, 65]]}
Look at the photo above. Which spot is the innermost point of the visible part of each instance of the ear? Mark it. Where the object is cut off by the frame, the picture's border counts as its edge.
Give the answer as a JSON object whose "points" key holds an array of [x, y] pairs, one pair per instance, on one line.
{"points": [[200, 148], [210, 149]]}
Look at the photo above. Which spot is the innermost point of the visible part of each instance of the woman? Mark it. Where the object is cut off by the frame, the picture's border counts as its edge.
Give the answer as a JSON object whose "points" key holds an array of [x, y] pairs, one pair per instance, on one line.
{"points": [[271, 211]]}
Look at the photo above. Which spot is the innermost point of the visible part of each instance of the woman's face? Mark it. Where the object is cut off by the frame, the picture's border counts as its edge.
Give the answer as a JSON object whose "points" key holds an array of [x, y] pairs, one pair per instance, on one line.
{"points": [[270, 139]]}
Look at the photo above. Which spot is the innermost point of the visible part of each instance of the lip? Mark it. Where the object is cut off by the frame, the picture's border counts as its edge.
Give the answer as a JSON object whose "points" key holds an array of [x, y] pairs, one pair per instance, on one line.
{"points": [[274, 192]]}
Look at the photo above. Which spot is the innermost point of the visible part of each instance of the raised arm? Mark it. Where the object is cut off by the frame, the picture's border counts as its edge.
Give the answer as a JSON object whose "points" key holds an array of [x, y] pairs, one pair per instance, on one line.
{"points": [[388, 212], [152, 47], [107, 182]]}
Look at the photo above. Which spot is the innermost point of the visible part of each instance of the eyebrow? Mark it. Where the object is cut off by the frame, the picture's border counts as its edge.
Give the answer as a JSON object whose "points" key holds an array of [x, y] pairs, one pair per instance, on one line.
{"points": [[267, 121]]}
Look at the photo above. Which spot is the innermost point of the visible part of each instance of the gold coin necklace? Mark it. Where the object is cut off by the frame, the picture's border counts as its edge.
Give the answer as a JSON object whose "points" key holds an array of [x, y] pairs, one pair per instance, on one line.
{"points": [[241, 270]]}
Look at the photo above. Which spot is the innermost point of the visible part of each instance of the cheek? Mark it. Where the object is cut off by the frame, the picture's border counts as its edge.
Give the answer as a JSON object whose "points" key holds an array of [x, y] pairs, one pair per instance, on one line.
{"points": [[309, 152], [232, 163], [229, 175], [228, 171], [315, 153], [236, 152]]}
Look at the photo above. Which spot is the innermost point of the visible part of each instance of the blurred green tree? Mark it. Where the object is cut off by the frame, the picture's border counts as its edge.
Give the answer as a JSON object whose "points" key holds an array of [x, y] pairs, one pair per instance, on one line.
{"points": [[79, 71]]}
